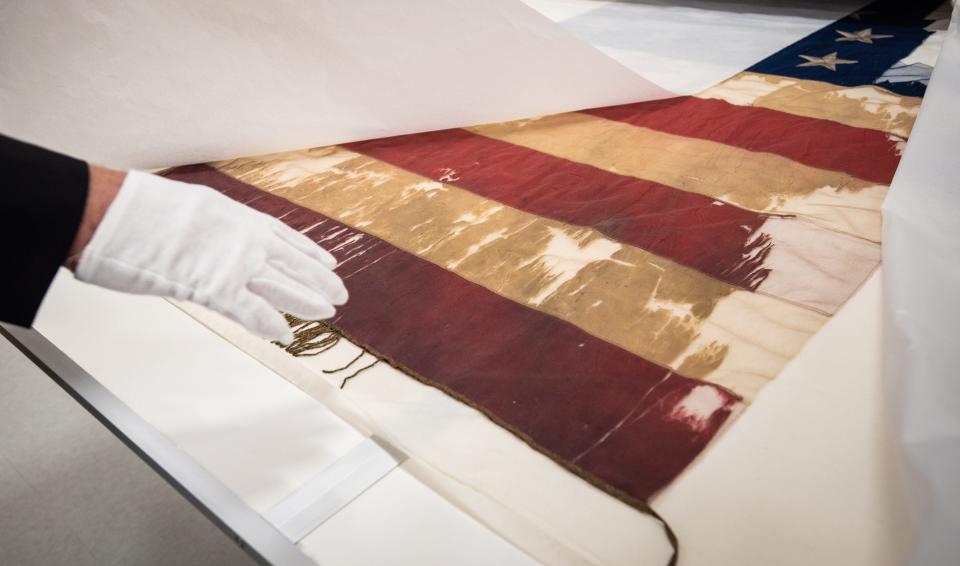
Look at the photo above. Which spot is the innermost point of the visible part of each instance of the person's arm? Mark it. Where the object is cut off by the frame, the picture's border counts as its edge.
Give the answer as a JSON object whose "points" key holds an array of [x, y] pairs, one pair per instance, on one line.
{"points": [[41, 205], [103, 188], [140, 233]]}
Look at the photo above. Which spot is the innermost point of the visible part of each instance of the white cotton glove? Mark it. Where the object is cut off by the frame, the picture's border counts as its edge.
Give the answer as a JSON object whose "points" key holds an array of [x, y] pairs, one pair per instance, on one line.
{"points": [[189, 242]]}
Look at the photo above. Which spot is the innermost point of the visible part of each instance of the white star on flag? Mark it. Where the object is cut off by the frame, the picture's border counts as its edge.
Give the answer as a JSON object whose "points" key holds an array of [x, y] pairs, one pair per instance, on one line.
{"points": [[829, 61], [863, 36]]}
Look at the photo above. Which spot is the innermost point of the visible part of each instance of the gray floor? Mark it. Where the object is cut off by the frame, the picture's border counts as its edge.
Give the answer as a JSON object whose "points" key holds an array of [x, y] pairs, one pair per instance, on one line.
{"points": [[71, 493]]}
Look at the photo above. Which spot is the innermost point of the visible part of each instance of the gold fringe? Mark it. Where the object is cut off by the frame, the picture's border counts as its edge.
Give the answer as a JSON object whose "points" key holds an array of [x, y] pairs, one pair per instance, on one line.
{"points": [[310, 337], [356, 373], [353, 361], [314, 337]]}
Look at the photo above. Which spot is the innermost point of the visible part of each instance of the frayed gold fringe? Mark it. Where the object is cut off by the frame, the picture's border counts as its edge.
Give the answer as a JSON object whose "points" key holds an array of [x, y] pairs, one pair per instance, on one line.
{"points": [[353, 361], [310, 338], [314, 337], [358, 372]]}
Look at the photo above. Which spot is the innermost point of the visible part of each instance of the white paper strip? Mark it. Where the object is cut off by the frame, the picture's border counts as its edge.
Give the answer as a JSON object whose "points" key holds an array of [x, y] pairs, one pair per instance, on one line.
{"points": [[298, 514]]}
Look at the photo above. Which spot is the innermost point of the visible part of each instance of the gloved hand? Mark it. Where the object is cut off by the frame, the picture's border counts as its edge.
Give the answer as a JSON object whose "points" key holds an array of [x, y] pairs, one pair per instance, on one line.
{"points": [[189, 242]]}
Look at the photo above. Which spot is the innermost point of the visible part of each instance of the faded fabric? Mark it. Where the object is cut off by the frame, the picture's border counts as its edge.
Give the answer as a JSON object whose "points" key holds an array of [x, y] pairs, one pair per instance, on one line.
{"points": [[613, 285]]}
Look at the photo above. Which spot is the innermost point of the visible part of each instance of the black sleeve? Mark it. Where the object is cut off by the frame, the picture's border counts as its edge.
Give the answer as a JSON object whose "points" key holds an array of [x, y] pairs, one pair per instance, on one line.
{"points": [[41, 204]]}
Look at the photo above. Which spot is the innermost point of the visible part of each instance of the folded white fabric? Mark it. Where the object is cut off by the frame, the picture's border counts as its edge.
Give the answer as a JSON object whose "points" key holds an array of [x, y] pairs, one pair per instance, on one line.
{"points": [[189, 242]]}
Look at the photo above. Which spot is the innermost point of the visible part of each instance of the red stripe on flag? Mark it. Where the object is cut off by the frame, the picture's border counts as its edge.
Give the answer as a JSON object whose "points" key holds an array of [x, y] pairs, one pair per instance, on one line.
{"points": [[592, 405], [715, 238], [868, 154]]}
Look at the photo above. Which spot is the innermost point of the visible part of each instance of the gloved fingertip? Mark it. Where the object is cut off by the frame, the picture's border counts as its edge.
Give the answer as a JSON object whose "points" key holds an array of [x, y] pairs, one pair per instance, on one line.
{"points": [[326, 258], [273, 326], [306, 245], [285, 338], [340, 296]]}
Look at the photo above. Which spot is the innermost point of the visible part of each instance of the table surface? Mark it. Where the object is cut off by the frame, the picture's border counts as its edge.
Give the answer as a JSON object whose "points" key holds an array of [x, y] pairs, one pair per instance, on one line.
{"points": [[804, 476]]}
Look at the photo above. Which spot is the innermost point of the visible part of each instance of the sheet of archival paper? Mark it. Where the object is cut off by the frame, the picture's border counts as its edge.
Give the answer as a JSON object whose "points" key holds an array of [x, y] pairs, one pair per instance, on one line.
{"points": [[160, 84]]}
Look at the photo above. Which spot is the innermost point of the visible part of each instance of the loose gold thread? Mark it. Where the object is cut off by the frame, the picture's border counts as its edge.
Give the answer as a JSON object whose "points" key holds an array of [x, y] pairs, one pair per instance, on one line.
{"points": [[356, 373], [353, 361]]}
